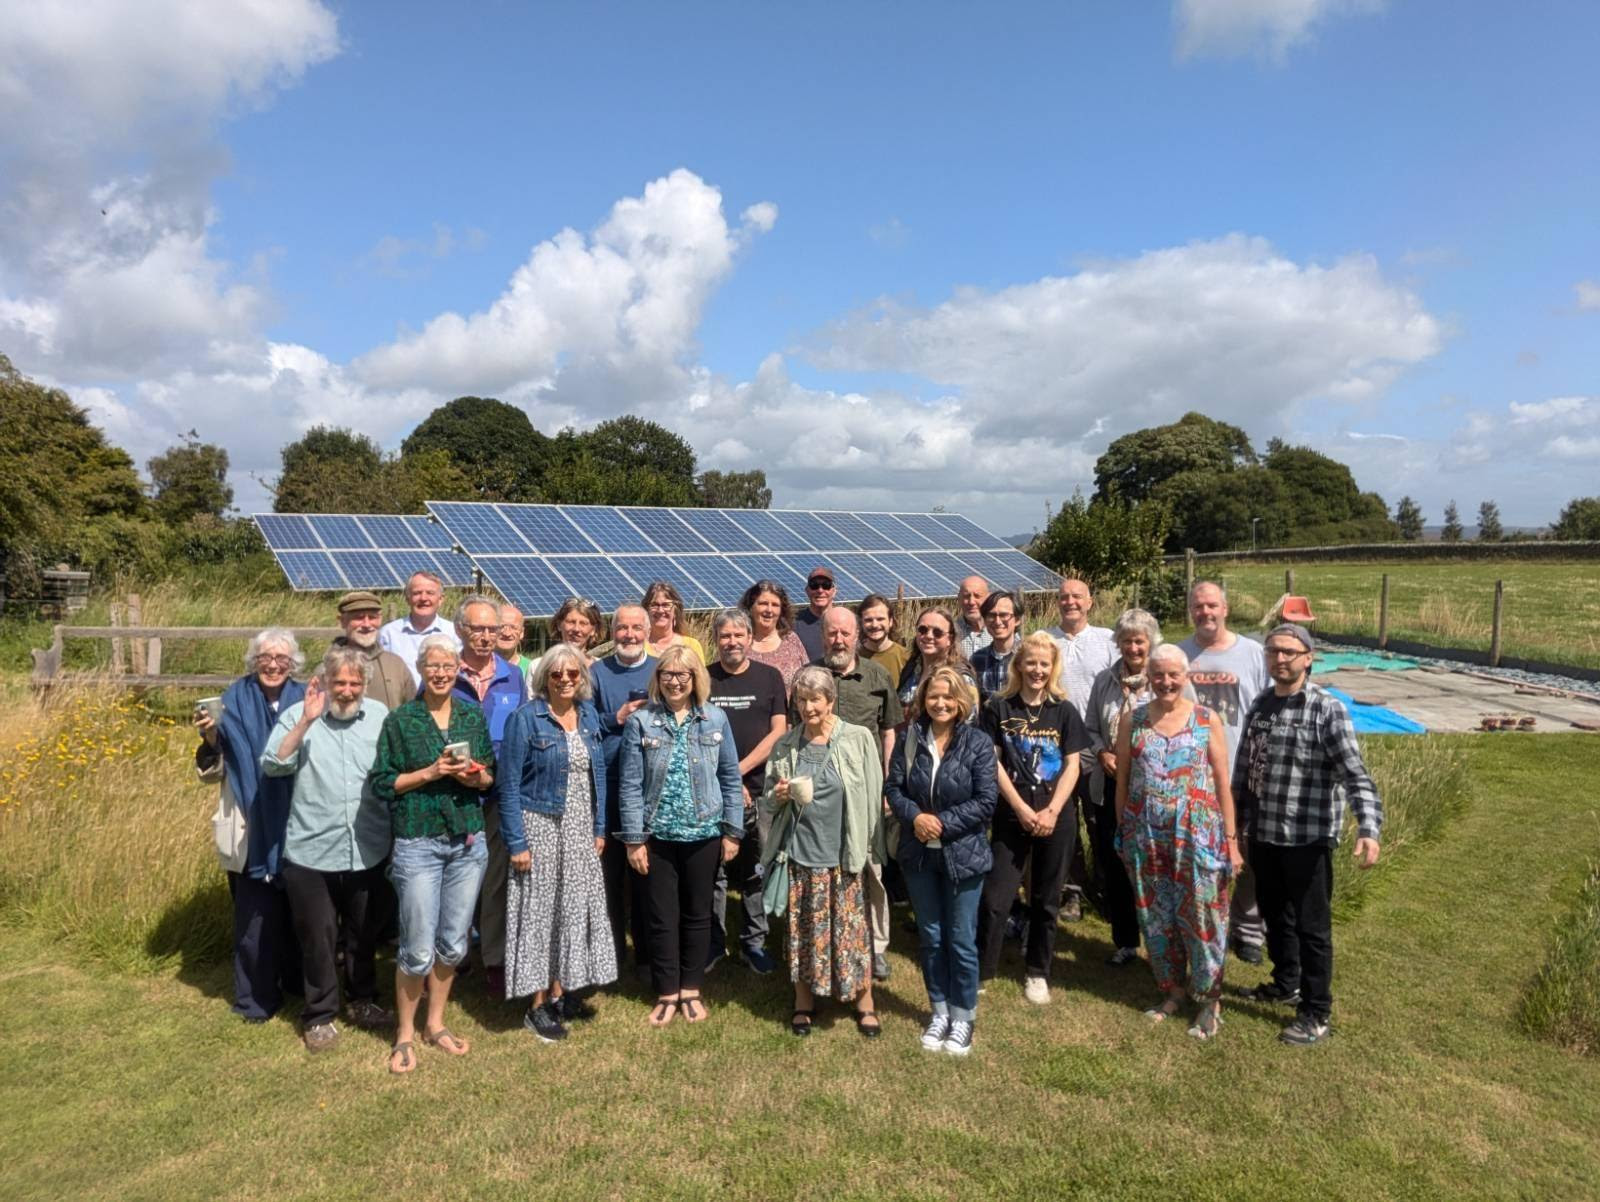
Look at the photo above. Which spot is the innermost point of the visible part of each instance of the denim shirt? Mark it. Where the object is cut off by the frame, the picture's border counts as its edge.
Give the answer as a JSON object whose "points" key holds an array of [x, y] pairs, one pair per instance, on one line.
{"points": [[533, 768], [713, 769]]}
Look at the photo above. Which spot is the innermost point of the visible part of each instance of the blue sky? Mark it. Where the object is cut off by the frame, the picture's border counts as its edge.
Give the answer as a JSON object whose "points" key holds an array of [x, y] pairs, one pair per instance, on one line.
{"points": [[895, 255]]}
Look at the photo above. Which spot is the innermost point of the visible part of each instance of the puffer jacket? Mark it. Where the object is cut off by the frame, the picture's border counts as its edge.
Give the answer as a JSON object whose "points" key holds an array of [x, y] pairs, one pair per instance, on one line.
{"points": [[964, 800]]}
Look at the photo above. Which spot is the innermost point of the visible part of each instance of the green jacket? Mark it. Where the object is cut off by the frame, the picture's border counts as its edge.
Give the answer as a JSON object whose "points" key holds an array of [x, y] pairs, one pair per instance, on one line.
{"points": [[858, 757]]}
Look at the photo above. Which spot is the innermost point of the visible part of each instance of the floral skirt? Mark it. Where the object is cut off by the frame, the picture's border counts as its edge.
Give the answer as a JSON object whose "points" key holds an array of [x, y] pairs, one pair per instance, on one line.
{"points": [[830, 947]]}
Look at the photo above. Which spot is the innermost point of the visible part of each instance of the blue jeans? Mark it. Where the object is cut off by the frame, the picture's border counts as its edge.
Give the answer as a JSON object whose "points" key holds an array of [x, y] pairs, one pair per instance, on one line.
{"points": [[947, 931], [436, 881]]}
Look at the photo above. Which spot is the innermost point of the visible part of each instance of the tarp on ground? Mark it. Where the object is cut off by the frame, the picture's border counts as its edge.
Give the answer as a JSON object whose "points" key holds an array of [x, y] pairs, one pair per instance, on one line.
{"points": [[1377, 719], [1375, 661]]}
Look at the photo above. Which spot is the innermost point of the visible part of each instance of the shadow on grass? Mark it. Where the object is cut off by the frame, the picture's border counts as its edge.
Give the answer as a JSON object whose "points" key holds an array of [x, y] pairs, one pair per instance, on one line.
{"points": [[198, 933]]}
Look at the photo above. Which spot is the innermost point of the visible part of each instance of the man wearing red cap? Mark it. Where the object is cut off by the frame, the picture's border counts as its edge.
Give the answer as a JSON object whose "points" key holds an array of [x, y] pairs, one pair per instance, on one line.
{"points": [[820, 588]]}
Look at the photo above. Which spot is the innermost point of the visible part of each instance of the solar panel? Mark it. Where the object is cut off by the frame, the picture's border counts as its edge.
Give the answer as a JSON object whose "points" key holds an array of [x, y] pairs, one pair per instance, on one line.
{"points": [[767, 530], [429, 533], [847, 587], [392, 531], [309, 571], [339, 530], [596, 578], [813, 529], [286, 531], [480, 529], [897, 532], [920, 580], [858, 532], [646, 569], [874, 577], [777, 569], [607, 528], [546, 528], [527, 582], [955, 566], [665, 530], [929, 527], [971, 531], [997, 573], [718, 575], [1041, 576], [366, 569], [365, 550]]}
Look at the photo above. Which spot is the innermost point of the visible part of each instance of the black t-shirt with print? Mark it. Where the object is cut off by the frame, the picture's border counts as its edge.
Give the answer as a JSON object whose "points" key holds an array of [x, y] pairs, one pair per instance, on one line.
{"points": [[1034, 741], [749, 699]]}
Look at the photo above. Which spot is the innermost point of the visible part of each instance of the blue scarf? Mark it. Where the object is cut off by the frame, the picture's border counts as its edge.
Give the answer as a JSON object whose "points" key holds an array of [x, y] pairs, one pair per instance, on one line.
{"points": [[247, 721]]}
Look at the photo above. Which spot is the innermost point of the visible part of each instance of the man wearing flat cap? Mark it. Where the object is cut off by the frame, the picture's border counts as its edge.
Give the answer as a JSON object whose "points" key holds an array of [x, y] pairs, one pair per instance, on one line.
{"points": [[1298, 763], [388, 678]]}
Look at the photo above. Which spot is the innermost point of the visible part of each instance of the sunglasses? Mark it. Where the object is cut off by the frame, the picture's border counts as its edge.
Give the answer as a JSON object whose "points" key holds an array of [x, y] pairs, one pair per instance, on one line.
{"points": [[938, 632], [566, 674], [817, 582]]}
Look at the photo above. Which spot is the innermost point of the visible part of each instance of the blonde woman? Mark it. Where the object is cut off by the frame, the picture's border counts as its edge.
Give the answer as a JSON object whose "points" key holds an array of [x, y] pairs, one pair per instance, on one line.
{"points": [[664, 604]]}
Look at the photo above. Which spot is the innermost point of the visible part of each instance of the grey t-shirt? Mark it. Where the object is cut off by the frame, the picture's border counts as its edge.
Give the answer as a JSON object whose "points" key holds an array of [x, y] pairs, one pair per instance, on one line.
{"points": [[1228, 681]]}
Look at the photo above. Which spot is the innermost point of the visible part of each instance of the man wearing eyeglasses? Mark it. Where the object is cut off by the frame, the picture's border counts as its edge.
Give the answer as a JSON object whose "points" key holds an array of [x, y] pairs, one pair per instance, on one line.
{"points": [[487, 679], [1298, 763], [403, 636], [820, 589]]}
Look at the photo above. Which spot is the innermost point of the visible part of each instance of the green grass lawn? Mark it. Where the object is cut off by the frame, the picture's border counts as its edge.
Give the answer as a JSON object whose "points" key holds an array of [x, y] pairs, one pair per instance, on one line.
{"points": [[1552, 610], [144, 1086]]}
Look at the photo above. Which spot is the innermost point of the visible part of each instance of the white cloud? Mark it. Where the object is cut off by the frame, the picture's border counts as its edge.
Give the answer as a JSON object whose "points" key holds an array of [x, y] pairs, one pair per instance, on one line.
{"points": [[1267, 28], [891, 234], [1587, 293]]}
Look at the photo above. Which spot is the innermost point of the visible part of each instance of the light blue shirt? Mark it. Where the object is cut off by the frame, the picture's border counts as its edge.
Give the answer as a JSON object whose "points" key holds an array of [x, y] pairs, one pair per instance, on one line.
{"points": [[400, 637], [336, 822]]}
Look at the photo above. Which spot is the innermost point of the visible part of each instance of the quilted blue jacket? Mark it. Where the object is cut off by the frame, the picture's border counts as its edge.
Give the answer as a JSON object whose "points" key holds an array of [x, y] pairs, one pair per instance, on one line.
{"points": [[964, 799]]}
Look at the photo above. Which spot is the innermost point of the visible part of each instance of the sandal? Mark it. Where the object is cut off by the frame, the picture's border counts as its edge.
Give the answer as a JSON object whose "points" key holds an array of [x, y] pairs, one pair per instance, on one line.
{"points": [[872, 1032], [1164, 1011], [697, 1015], [1206, 1021], [796, 1027], [437, 1039], [663, 1011], [407, 1055]]}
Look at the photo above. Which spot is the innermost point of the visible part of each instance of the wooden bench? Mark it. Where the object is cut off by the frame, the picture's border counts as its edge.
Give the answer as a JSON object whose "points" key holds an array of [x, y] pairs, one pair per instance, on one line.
{"points": [[48, 672]]}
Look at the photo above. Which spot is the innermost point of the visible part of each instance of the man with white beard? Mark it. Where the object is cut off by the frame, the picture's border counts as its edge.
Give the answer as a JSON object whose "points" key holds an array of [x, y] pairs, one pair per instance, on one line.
{"points": [[389, 679], [621, 684], [337, 840]]}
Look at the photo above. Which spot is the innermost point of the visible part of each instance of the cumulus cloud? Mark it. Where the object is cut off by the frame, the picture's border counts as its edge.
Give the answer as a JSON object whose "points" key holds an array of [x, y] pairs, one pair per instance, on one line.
{"points": [[1587, 293], [1266, 28]]}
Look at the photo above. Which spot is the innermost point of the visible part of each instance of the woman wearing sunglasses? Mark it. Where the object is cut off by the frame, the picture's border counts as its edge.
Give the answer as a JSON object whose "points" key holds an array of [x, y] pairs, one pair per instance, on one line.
{"points": [[682, 805], [551, 771], [933, 646]]}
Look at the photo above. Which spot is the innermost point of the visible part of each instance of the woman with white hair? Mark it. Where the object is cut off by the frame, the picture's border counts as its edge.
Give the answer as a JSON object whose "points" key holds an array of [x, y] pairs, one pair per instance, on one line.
{"points": [[251, 819], [1178, 836], [552, 770]]}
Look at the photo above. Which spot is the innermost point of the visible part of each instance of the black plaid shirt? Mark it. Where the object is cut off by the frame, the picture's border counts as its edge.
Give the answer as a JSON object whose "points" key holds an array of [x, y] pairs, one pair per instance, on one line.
{"points": [[1297, 763]]}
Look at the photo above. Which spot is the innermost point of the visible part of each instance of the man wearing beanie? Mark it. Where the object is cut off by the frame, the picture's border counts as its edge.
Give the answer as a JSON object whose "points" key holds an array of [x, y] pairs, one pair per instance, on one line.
{"points": [[1298, 762]]}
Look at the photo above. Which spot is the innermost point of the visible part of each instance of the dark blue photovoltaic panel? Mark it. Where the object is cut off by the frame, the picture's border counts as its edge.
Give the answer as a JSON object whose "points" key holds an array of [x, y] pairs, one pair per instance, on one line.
{"points": [[665, 530], [874, 577], [309, 571], [429, 533], [595, 578], [286, 531], [928, 526], [1041, 576], [714, 526], [644, 570], [366, 569], [999, 574], [720, 577], [455, 568], [767, 530], [920, 580], [897, 531], [776, 569], [956, 566], [547, 529], [607, 529], [339, 530], [479, 529], [527, 582], [813, 529], [858, 532], [406, 562], [388, 531], [969, 530], [848, 587]]}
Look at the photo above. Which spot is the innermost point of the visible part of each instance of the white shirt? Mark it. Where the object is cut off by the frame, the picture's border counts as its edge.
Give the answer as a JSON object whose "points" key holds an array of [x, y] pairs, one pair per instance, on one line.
{"points": [[399, 637], [1083, 657], [973, 638]]}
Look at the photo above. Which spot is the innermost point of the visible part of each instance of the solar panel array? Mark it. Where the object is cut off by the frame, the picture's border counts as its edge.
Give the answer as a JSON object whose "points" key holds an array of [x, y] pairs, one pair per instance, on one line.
{"points": [[360, 550], [539, 555]]}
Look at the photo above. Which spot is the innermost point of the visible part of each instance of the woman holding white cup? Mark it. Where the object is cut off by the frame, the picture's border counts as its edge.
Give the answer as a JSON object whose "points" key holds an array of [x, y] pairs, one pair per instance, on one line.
{"points": [[824, 787]]}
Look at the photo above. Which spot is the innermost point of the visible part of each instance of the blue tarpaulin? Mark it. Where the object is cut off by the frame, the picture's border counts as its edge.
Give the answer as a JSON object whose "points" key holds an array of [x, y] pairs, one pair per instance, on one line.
{"points": [[1377, 719]]}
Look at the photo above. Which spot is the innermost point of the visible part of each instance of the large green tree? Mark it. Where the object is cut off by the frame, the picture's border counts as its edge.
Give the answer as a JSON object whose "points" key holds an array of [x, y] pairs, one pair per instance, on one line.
{"points": [[1135, 464], [329, 470], [1105, 543], [1322, 502], [493, 443], [1580, 519], [734, 490], [189, 480], [625, 461]]}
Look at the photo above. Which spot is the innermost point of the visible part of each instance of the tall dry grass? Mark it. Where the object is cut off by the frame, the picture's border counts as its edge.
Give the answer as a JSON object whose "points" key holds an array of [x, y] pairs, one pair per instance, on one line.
{"points": [[1562, 1003]]}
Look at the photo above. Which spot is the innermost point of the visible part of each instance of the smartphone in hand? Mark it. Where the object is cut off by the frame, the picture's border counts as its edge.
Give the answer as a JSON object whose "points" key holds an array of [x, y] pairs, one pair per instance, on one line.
{"points": [[458, 751]]}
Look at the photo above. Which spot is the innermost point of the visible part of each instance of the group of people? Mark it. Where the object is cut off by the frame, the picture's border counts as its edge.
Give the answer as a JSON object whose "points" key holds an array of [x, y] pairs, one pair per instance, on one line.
{"points": [[429, 776]]}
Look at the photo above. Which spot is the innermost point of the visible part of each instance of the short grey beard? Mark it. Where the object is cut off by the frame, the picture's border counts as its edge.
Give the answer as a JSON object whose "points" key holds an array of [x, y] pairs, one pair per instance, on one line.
{"points": [[344, 712], [366, 640], [639, 653], [838, 660]]}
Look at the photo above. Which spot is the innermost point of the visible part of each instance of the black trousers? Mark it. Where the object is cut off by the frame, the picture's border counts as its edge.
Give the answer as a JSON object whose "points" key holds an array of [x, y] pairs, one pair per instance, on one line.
{"points": [[1079, 881], [1012, 850], [266, 958], [626, 904], [321, 902], [679, 885], [1111, 875], [745, 873], [1294, 886]]}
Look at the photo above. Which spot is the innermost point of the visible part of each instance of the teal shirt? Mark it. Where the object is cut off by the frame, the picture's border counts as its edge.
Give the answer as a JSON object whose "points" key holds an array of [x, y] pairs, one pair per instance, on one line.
{"points": [[674, 818], [336, 822]]}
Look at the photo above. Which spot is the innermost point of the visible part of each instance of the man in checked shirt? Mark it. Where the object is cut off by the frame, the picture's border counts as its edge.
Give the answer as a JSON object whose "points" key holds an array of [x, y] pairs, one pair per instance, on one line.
{"points": [[1297, 763]]}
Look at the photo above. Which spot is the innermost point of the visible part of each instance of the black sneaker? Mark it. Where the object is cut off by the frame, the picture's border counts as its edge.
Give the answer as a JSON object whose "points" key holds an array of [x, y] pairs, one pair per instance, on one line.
{"points": [[1305, 1031], [715, 957], [572, 1008], [1250, 953], [959, 1041], [368, 1015], [545, 1023], [1273, 993], [758, 961]]}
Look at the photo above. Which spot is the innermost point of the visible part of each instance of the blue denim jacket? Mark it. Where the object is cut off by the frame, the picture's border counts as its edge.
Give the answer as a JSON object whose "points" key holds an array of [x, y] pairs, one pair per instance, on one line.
{"points": [[713, 769], [532, 768]]}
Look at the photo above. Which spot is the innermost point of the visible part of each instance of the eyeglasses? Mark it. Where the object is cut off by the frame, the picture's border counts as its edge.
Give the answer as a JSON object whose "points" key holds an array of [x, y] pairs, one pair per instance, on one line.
{"points": [[675, 677], [495, 629], [997, 616], [510, 628], [666, 606], [439, 669], [937, 632], [274, 661], [818, 582], [566, 674], [1286, 652]]}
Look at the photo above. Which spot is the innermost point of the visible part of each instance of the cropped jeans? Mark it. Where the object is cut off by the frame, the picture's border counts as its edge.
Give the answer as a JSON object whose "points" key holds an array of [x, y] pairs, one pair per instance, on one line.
{"points": [[947, 932], [436, 879]]}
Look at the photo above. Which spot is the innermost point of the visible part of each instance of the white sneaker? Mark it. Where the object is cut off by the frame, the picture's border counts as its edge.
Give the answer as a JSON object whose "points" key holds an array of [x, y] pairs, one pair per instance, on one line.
{"points": [[938, 1028], [1036, 990], [959, 1041]]}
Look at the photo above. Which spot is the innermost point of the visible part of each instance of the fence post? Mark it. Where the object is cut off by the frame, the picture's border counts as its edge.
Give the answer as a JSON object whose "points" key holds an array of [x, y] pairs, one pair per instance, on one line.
{"points": [[136, 658], [118, 664], [1288, 580], [1494, 634], [1188, 569], [1383, 613]]}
